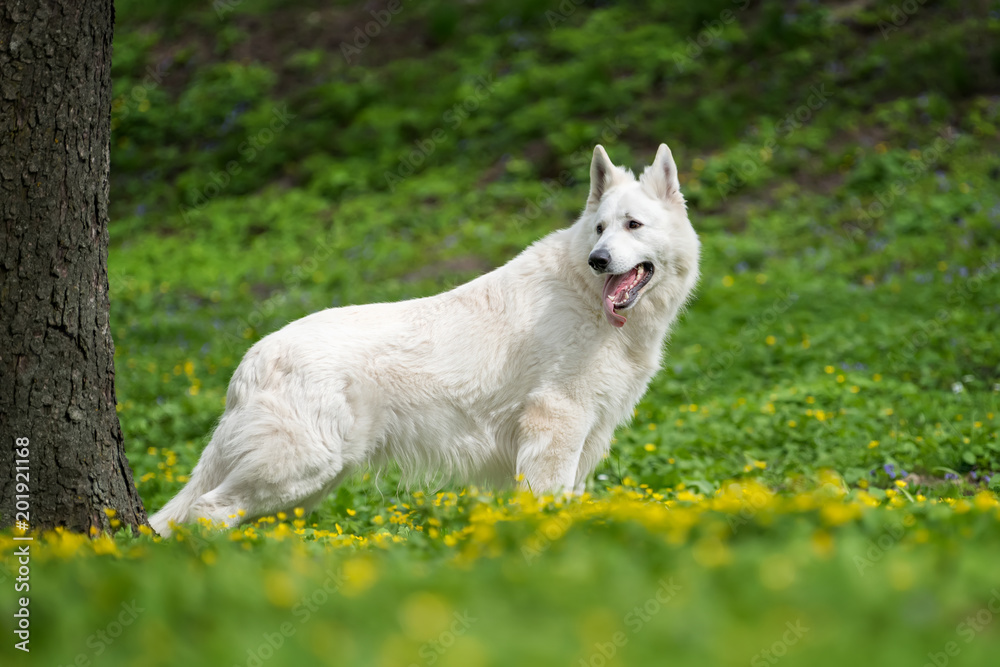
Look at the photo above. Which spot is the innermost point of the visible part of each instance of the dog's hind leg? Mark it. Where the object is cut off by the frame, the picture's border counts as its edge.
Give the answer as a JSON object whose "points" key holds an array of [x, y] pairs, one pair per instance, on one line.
{"points": [[211, 470], [311, 501], [249, 493], [274, 458]]}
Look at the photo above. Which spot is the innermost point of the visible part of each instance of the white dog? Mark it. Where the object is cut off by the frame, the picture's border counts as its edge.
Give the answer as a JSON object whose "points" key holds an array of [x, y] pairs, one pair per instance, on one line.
{"points": [[522, 373]]}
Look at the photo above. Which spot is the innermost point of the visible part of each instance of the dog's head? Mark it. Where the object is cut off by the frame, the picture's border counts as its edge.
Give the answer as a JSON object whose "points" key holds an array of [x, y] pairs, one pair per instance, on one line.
{"points": [[635, 234]]}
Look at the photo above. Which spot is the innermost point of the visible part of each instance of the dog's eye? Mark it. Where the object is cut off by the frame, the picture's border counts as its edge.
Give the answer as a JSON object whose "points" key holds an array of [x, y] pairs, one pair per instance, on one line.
{"points": [[634, 224], [600, 229]]}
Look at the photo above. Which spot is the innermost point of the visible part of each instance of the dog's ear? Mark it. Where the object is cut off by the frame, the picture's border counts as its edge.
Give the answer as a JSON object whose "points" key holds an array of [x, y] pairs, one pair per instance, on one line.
{"points": [[602, 175], [661, 176]]}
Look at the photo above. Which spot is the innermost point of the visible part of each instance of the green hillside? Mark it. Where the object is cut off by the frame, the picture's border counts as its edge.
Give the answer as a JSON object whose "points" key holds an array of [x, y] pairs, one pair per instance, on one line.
{"points": [[810, 478]]}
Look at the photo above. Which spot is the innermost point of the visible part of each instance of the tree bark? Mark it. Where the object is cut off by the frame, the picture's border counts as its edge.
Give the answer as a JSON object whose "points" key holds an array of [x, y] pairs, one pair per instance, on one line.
{"points": [[56, 354]]}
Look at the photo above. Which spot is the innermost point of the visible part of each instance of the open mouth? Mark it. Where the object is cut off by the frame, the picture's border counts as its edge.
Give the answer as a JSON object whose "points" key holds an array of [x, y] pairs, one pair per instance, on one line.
{"points": [[622, 290]]}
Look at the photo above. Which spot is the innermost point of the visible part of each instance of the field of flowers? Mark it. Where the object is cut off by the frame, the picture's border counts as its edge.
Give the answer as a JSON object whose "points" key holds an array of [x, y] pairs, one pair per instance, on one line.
{"points": [[811, 479], [744, 575]]}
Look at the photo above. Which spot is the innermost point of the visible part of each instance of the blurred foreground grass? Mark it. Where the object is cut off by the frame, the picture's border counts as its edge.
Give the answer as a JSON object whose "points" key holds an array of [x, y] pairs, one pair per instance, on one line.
{"points": [[473, 579]]}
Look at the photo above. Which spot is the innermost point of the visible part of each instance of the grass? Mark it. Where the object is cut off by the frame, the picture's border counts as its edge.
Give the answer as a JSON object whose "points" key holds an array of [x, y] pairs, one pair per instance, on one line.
{"points": [[811, 478]]}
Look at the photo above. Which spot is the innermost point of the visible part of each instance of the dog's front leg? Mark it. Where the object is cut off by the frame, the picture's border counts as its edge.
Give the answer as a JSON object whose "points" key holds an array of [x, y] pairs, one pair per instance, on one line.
{"points": [[595, 448], [552, 433]]}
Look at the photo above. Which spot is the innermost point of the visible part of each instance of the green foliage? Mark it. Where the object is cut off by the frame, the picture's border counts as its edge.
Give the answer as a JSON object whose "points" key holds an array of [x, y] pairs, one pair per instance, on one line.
{"points": [[841, 171]]}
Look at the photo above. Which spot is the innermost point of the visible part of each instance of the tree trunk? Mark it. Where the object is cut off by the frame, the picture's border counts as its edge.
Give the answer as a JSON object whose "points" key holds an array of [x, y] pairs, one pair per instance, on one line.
{"points": [[57, 374]]}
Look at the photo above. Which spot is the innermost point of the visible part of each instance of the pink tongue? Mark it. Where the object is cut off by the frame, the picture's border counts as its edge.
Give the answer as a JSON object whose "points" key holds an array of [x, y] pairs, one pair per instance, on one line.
{"points": [[611, 287]]}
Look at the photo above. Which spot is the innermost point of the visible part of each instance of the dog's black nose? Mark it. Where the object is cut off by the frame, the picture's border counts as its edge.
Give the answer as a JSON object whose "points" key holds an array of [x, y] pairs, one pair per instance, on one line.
{"points": [[599, 259]]}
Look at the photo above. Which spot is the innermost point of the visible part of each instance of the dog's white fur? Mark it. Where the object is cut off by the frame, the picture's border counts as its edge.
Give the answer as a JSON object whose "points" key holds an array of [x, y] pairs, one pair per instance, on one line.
{"points": [[516, 373]]}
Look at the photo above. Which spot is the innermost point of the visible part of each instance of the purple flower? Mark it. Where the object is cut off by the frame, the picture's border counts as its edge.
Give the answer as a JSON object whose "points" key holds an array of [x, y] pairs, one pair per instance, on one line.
{"points": [[890, 470], [951, 475]]}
